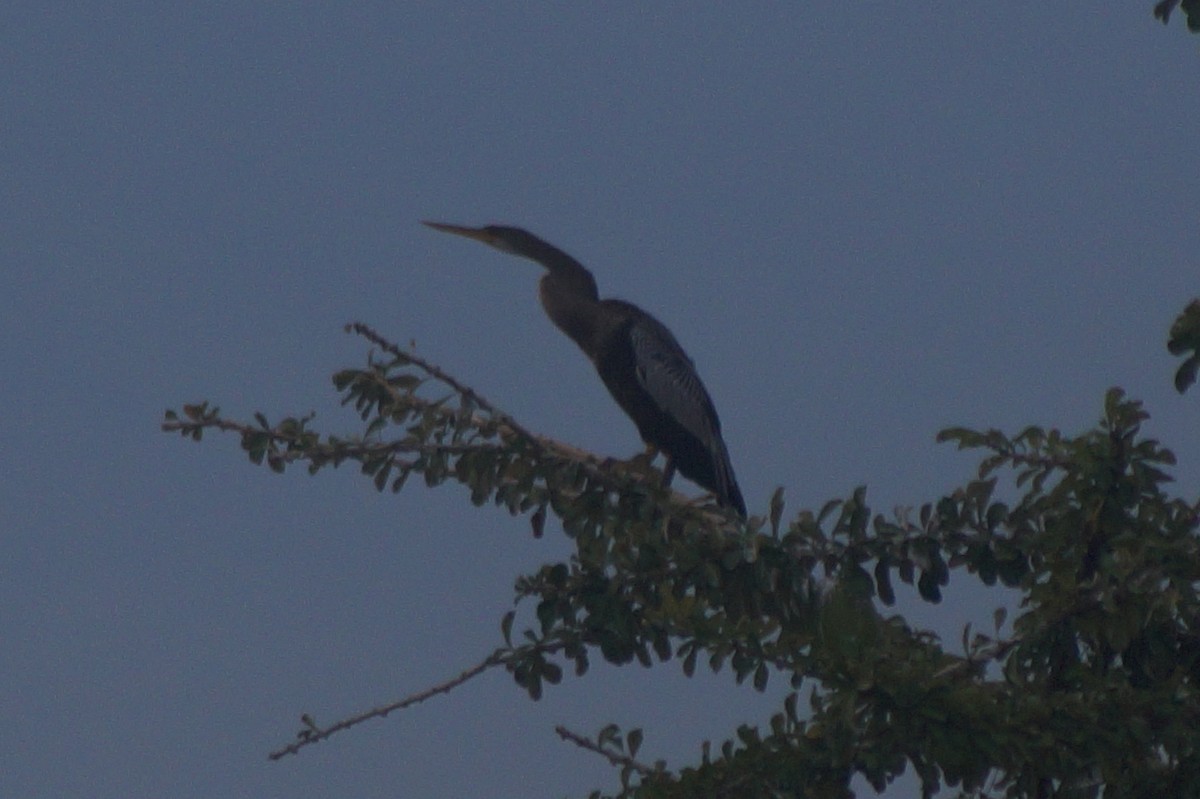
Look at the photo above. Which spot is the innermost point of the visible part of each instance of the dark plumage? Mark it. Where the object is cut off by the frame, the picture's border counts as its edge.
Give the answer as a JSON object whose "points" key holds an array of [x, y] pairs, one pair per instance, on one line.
{"points": [[639, 360]]}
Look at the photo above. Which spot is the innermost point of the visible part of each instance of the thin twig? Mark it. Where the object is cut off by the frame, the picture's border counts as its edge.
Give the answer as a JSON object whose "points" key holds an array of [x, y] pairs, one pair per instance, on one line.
{"points": [[596, 468], [346, 450], [616, 758], [590, 463], [369, 333], [311, 733]]}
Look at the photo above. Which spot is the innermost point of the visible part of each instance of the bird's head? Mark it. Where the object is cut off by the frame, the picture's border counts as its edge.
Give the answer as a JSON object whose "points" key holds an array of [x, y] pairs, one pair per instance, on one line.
{"points": [[562, 268], [507, 239]]}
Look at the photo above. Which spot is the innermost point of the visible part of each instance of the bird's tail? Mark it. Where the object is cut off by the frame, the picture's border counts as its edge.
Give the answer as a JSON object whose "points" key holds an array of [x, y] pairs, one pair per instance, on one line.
{"points": [[728, 493]]}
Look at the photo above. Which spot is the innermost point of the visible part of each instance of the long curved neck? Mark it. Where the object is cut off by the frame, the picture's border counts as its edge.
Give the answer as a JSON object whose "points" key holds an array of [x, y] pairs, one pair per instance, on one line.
{"points": [[572, 301]]}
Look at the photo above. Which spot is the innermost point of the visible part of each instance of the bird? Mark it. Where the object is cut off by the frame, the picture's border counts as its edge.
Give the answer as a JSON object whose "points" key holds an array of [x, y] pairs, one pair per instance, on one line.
{"points": [[639, 360]]}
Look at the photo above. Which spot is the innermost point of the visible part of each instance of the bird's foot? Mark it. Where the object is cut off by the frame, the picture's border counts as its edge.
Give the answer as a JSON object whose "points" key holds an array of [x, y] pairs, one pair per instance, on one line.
{"points": [[642, 463], [668, 472], [644, 459]]}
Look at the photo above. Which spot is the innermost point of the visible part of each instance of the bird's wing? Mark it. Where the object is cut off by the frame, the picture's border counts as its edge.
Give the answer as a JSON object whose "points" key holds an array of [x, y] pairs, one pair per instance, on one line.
{"points": [[667, 374], [669, 377]]}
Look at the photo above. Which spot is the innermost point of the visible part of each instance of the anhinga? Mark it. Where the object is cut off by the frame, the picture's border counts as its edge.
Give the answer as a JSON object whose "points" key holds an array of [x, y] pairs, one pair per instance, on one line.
{"points": [[639, 360]]}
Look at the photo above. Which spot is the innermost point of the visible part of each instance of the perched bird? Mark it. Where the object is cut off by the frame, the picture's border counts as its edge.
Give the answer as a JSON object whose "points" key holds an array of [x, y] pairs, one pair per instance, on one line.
{"points": [[639, 360]]}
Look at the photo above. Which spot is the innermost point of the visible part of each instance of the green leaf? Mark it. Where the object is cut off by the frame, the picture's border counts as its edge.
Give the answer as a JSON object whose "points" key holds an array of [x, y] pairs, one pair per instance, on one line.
{"points": [[747, 735], [633, 741], [537, 521], [883, 583], [984, 562], [344, 378], [195, 412], [963, 436], [761, 674], [381, 477], [927, 586], [609, 734], [689, 662], [789, 706], [405, 382], [828, 508], [546, 614], [776, 512], [1185, 375], [1185, 331], [997, 513], [662, 645], [1012, 570]]}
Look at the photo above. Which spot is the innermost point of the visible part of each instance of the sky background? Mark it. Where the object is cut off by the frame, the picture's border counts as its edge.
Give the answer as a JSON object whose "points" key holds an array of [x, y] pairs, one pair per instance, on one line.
{"points": [[865, 222]]}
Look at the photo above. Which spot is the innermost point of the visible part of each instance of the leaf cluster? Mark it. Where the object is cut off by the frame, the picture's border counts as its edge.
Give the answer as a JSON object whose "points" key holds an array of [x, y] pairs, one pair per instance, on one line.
{"points": [[1185, 339], [1190, 9]]}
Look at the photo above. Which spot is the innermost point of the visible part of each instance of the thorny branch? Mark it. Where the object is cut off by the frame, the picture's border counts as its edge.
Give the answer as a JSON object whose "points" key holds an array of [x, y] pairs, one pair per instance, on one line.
{"points": [[468, 393], [616, 758], [319, 452], [292, 444], [311, 733], [595, 467]]}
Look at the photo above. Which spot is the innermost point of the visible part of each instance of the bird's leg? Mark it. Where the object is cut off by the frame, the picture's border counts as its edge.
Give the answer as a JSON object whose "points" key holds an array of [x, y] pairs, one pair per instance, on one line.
{"points": [[647, 457], [641, 462], [668, 471], [644, 462]]}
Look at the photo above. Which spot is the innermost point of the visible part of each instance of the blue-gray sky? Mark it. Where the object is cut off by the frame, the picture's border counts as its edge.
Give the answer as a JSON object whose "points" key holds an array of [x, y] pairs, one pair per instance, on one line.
{"points": [[864, 222]]}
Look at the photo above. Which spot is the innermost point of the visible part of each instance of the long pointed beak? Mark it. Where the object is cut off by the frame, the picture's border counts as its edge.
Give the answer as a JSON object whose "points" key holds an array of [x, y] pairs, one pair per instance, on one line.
{"points": [[479, 234]]}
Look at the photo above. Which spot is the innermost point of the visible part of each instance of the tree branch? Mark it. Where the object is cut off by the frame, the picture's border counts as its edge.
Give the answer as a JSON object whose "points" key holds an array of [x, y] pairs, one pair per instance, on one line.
{"points": [[311, 733], [290, 441], [616, 758], [465, 391]]}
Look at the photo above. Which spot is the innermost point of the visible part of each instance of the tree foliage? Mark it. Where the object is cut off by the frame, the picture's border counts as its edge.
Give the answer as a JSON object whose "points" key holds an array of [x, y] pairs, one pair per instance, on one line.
{"points": [[1190, 9], [1185, 340], [1091, 688]]}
